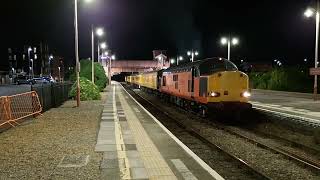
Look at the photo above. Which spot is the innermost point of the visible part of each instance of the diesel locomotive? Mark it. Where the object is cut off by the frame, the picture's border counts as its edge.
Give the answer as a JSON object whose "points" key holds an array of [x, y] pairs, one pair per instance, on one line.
{"points": [[209, 85]]}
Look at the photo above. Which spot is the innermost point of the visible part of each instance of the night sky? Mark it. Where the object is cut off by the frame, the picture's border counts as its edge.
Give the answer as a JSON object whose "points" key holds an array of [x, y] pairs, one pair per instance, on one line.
{"points": [[267, 30]]}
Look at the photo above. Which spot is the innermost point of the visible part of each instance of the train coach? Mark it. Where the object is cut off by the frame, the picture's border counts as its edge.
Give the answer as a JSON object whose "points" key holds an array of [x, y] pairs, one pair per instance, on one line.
{"points": [[213, 84]]}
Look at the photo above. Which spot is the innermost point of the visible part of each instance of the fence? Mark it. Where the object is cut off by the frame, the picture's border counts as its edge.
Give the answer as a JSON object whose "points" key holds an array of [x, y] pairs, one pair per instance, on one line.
{"points": [[52, 95], [17, 107]]}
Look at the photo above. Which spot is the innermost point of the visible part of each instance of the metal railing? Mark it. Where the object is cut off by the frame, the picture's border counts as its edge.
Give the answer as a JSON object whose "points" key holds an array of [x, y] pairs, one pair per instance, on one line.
{"points": [[52, 95]]}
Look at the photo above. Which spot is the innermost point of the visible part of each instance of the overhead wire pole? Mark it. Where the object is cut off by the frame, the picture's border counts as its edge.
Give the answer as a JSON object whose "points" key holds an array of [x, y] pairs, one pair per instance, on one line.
{"points": [[77, 51], [92, 58], [98, 51], [229, 47], [315, 87]]}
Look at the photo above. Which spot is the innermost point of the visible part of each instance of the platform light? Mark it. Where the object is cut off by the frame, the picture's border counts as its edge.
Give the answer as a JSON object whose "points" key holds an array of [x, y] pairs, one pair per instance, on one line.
{"points": [[180, 58], [189, 53], [309, 12], [113, 57], [172, 61], [106, 53], [99, 31], [103, 45], [196, 53], [235, 41], [224, 41]]}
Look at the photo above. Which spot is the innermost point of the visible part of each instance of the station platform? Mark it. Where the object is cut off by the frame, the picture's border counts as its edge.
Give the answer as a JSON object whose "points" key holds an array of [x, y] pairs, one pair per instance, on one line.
{"points": [[135, 145], [297, 105]]}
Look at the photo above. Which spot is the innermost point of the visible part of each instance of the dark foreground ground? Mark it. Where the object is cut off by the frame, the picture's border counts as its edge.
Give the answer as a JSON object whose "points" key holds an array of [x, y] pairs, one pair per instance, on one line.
{"points": [[57, 145]]}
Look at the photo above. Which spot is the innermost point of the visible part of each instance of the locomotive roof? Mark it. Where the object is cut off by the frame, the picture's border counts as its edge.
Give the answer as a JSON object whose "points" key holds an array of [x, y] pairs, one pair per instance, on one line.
{"points": [[188, 66]]}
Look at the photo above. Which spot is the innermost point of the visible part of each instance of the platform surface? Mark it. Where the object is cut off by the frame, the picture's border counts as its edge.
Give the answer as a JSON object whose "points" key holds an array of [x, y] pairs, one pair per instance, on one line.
{"points": [[135, 145], [296, 104]]}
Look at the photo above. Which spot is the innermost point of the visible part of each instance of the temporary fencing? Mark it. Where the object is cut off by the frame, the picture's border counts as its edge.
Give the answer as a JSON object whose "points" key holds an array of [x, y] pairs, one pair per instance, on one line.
{"points": [[17, 107]]}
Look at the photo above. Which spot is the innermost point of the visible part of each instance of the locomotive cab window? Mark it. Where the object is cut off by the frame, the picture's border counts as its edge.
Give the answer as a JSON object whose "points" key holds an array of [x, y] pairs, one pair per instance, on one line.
{"points": [[213, 66]]}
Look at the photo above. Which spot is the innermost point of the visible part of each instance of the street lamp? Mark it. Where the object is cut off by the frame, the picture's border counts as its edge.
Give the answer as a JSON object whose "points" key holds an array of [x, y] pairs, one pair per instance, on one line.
{"points": [[229, 41], [179, 58], [192, 54], [99, 32], [113, 57], [309, 13], [59, 73], [103, 45], [76, 41], [29, 51], [50, 59], [31, 60], [172, 61]]}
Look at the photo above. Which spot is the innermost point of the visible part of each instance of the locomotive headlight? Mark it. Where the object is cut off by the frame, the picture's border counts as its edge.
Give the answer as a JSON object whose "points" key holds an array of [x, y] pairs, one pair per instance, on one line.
{"points": [[246, 94], [214, 94]]}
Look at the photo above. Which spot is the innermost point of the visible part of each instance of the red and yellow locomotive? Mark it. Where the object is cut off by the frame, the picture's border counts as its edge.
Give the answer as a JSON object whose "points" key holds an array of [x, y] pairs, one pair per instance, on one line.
{"points": [[213, 83]]}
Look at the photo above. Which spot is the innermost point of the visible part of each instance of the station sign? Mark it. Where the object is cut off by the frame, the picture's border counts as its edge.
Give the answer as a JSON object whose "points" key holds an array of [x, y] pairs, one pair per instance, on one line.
{"points": [[314, 71]]}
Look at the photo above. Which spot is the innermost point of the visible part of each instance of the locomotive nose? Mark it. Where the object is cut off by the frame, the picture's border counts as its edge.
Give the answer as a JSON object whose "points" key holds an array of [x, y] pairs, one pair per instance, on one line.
{"points": [[231, 85]]}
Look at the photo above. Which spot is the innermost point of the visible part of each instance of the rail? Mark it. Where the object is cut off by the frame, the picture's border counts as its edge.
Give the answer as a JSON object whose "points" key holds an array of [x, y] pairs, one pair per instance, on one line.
{"points": [[199, 136]]}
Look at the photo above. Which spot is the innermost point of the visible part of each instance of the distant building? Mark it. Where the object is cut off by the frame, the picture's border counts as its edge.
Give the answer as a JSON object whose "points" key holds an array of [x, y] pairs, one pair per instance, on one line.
{"points": [[30, 60]]}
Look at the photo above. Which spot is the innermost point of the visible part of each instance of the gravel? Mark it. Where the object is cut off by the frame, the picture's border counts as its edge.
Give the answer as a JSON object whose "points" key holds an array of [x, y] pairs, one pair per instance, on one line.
{"points": [[35, 149]]}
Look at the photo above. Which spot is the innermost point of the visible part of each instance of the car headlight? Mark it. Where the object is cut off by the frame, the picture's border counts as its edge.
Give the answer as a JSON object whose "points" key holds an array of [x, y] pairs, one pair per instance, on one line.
{"points": [[246, 94]]}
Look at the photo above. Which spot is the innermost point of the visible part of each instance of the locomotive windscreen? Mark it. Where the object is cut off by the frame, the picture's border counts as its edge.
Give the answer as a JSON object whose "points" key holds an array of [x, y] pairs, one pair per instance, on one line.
{"points": [[214, 65]]}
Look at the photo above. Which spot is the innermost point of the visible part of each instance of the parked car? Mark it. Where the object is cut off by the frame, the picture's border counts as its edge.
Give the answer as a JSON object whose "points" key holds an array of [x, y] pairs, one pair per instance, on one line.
{"points": [[48, 78], [41, 80], [24, 80]]}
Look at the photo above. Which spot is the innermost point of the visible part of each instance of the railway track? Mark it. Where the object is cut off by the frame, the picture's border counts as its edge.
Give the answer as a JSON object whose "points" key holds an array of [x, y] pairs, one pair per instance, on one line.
{"points": [[300, 159], [246, 168]]}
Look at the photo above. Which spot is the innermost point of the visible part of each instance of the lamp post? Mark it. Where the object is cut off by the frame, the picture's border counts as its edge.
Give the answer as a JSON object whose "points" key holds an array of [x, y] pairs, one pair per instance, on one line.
{"points": [[113, 57], [59, 68], [101, 46], [229, 41], [29, 58], [99, 32], [76, 41], [309, 13], [192, 54], [50, 59]]}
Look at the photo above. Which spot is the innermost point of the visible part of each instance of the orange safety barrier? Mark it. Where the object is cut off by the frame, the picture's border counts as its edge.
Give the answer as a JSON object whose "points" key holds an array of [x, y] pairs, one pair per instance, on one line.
{"points": [[17, 107]]}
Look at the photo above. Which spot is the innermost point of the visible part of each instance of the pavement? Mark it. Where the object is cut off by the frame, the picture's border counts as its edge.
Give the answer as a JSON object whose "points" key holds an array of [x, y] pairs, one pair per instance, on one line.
{"points": [[8, 90], [135, 145], [294, 104]]}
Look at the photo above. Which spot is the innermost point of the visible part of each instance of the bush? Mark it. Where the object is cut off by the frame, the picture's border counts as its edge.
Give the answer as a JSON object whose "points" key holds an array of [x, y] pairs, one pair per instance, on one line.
{"points": [[283, 79], [88, 91], [100, 80]]}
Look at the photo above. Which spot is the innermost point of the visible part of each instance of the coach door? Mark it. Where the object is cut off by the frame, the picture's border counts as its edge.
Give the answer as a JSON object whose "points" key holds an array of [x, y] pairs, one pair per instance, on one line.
{"points": [[193, 74]]}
